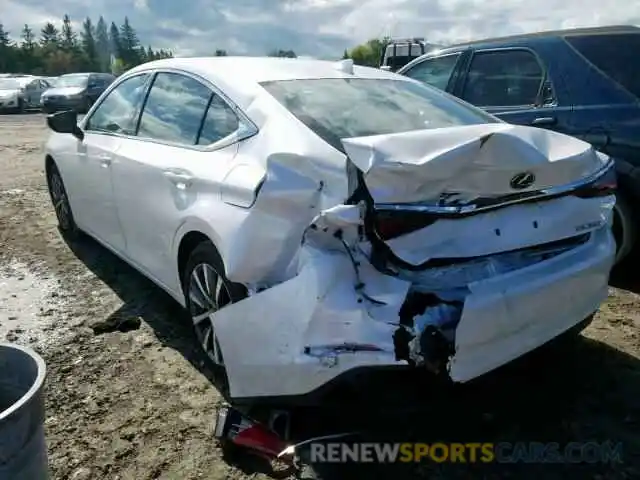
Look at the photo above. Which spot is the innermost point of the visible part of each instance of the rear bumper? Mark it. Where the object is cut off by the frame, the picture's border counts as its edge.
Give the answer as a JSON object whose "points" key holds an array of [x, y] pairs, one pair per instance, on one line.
{"points": [[263, 337]]}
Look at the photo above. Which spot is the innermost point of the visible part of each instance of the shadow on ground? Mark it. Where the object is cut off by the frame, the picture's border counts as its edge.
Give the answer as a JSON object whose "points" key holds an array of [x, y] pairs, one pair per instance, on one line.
{"points": [[571, 391]]}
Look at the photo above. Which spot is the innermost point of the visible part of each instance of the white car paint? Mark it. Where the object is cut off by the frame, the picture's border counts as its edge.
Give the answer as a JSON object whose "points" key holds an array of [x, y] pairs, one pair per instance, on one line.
{"points": [[272, 198]]}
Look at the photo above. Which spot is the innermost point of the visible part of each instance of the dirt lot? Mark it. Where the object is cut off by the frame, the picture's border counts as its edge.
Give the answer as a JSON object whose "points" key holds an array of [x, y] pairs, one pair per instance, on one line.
{"points": [[140, 404]]}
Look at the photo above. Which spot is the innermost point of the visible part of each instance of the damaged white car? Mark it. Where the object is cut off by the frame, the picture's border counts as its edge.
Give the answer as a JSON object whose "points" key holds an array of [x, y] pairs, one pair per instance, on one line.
{"points": [[316, 218]]}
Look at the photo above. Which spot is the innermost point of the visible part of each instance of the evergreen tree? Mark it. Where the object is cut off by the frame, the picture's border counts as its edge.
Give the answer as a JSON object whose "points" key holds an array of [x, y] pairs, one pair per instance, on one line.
{"points": [[68, 38], [89, 48], [28, 39], [150, 54], [102, 44], [221, 53], [6, 57], [129, 44], [49, 36], [115, 48]]}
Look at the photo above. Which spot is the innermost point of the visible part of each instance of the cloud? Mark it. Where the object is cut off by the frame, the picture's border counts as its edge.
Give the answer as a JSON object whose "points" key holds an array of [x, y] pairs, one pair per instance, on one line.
{"points": [[317, 27]]}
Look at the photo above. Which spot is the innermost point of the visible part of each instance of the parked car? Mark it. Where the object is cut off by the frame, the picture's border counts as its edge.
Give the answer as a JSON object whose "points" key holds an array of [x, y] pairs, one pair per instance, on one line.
{"points": [[582, 82], [316, 218], [21, 93], [77, 91]]}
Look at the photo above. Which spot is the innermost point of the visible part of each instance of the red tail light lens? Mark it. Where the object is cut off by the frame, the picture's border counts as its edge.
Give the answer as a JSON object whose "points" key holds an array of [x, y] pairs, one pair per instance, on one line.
{"points": [[604, 185]]}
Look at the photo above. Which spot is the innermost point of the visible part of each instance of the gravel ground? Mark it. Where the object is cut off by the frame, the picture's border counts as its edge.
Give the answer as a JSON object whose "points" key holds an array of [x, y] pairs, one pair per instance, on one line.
{"points": [[139, 404]]}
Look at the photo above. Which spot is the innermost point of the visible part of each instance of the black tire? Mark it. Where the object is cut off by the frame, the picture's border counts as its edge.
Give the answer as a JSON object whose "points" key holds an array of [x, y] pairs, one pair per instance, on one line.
{"points": [[205, 256], [624, 228], [60, 201], [21, 108]]}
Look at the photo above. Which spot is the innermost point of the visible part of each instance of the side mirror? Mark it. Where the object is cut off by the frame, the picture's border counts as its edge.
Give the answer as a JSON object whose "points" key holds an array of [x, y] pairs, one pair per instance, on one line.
{"points": [[65, 122]]}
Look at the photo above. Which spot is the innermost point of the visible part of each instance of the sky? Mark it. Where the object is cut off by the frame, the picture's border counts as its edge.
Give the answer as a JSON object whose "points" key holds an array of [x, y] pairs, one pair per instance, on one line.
{"points": [[319, 28]]}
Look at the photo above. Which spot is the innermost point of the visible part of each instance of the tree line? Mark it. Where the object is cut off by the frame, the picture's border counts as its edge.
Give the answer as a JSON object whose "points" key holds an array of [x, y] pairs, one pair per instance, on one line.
{"points": [[56, 51]]}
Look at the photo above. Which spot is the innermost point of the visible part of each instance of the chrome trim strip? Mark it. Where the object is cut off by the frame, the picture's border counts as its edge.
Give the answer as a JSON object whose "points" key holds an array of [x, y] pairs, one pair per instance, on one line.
{"points": [[473, 208]]}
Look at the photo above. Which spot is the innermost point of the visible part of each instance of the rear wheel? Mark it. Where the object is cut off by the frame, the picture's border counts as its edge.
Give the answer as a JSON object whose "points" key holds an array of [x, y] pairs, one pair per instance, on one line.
{"points": [[207, 289], [624, 229], [60, 201]]}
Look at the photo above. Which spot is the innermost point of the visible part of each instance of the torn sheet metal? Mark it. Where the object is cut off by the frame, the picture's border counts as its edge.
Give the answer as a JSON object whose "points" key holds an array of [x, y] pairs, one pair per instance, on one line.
{"points": [[509, 228], [464, 163], [332, 311], [264, 338]]}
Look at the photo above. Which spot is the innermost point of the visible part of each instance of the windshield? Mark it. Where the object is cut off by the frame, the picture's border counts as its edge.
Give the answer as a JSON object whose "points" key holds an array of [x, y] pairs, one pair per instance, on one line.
{"points": [[72, 81], [336, 108], [9, 84]]}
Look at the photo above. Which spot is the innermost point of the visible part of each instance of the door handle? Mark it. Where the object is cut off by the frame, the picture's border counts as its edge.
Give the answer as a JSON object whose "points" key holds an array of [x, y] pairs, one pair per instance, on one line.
{"points": [[544, 121], [181, 180]]}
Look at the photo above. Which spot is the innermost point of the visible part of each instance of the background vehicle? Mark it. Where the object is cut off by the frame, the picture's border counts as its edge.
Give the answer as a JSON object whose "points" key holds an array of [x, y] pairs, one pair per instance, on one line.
{"points": [[401, 51], [21, 93], [582, 82], [77, 91]]}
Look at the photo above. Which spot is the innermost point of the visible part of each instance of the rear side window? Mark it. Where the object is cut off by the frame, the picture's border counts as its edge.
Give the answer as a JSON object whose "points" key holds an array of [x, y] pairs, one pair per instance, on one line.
{"points": [[506, 78], [434, 71], [174, 109], [614, 55]]}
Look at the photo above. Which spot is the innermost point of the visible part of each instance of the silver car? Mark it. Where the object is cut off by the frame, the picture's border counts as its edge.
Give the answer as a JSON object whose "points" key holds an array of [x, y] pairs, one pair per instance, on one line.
{"points": [[21, 93]]}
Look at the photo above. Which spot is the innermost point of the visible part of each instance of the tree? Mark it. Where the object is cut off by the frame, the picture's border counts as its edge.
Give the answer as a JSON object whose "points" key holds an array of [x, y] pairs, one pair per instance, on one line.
{"points": [[221, 53], [345, 55], [68, 38], [49, 36], [6, 57], [114, 41], [283, 53], [89, 48], [369, 53], [28, 39], [129, 44], [102, 45], [150, 54]]}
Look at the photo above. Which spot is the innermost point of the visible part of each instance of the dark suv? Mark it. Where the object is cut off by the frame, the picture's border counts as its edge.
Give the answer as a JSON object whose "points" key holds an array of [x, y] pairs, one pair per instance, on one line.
{"points": [[582, 82], [75, 91]]}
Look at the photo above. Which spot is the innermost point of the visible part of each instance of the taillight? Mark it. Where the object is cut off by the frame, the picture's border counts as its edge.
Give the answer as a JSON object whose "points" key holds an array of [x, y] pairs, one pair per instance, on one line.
{"points": [[395, 224], [605, 184]]}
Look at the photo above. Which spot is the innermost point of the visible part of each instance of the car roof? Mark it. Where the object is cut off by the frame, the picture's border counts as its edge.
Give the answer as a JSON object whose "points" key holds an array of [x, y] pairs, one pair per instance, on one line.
{"points": [[513, 40], [568, 32], [240, 77]]}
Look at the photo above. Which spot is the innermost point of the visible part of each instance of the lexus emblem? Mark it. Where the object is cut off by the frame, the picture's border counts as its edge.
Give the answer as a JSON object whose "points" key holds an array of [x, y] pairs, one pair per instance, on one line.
{"points": [[522, 180]]}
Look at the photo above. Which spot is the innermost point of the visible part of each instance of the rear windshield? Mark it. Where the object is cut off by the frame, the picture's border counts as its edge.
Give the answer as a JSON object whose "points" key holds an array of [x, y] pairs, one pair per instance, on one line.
{"points": [[615, 55], [336, 108]]}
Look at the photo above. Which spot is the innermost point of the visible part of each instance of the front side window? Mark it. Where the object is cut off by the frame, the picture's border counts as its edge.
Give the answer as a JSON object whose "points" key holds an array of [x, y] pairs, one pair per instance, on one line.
{"points": [[174, 109], [336, 108], [434, 71], [503, 78], [117, 112]]}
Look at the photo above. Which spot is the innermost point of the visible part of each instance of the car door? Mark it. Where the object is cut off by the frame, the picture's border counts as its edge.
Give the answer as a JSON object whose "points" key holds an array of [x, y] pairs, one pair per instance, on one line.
{"points": [[439, 72], [92, 192], [33, 92], [182, 151], [514, 85]]}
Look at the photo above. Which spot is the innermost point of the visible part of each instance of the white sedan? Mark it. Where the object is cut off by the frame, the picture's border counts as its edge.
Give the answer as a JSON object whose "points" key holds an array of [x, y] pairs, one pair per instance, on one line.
{"points": [[315, 217]]}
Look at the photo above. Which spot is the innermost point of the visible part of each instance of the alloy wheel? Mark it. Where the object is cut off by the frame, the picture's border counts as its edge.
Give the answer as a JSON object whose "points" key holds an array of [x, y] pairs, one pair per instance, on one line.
{"points": [[207, 294]]}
